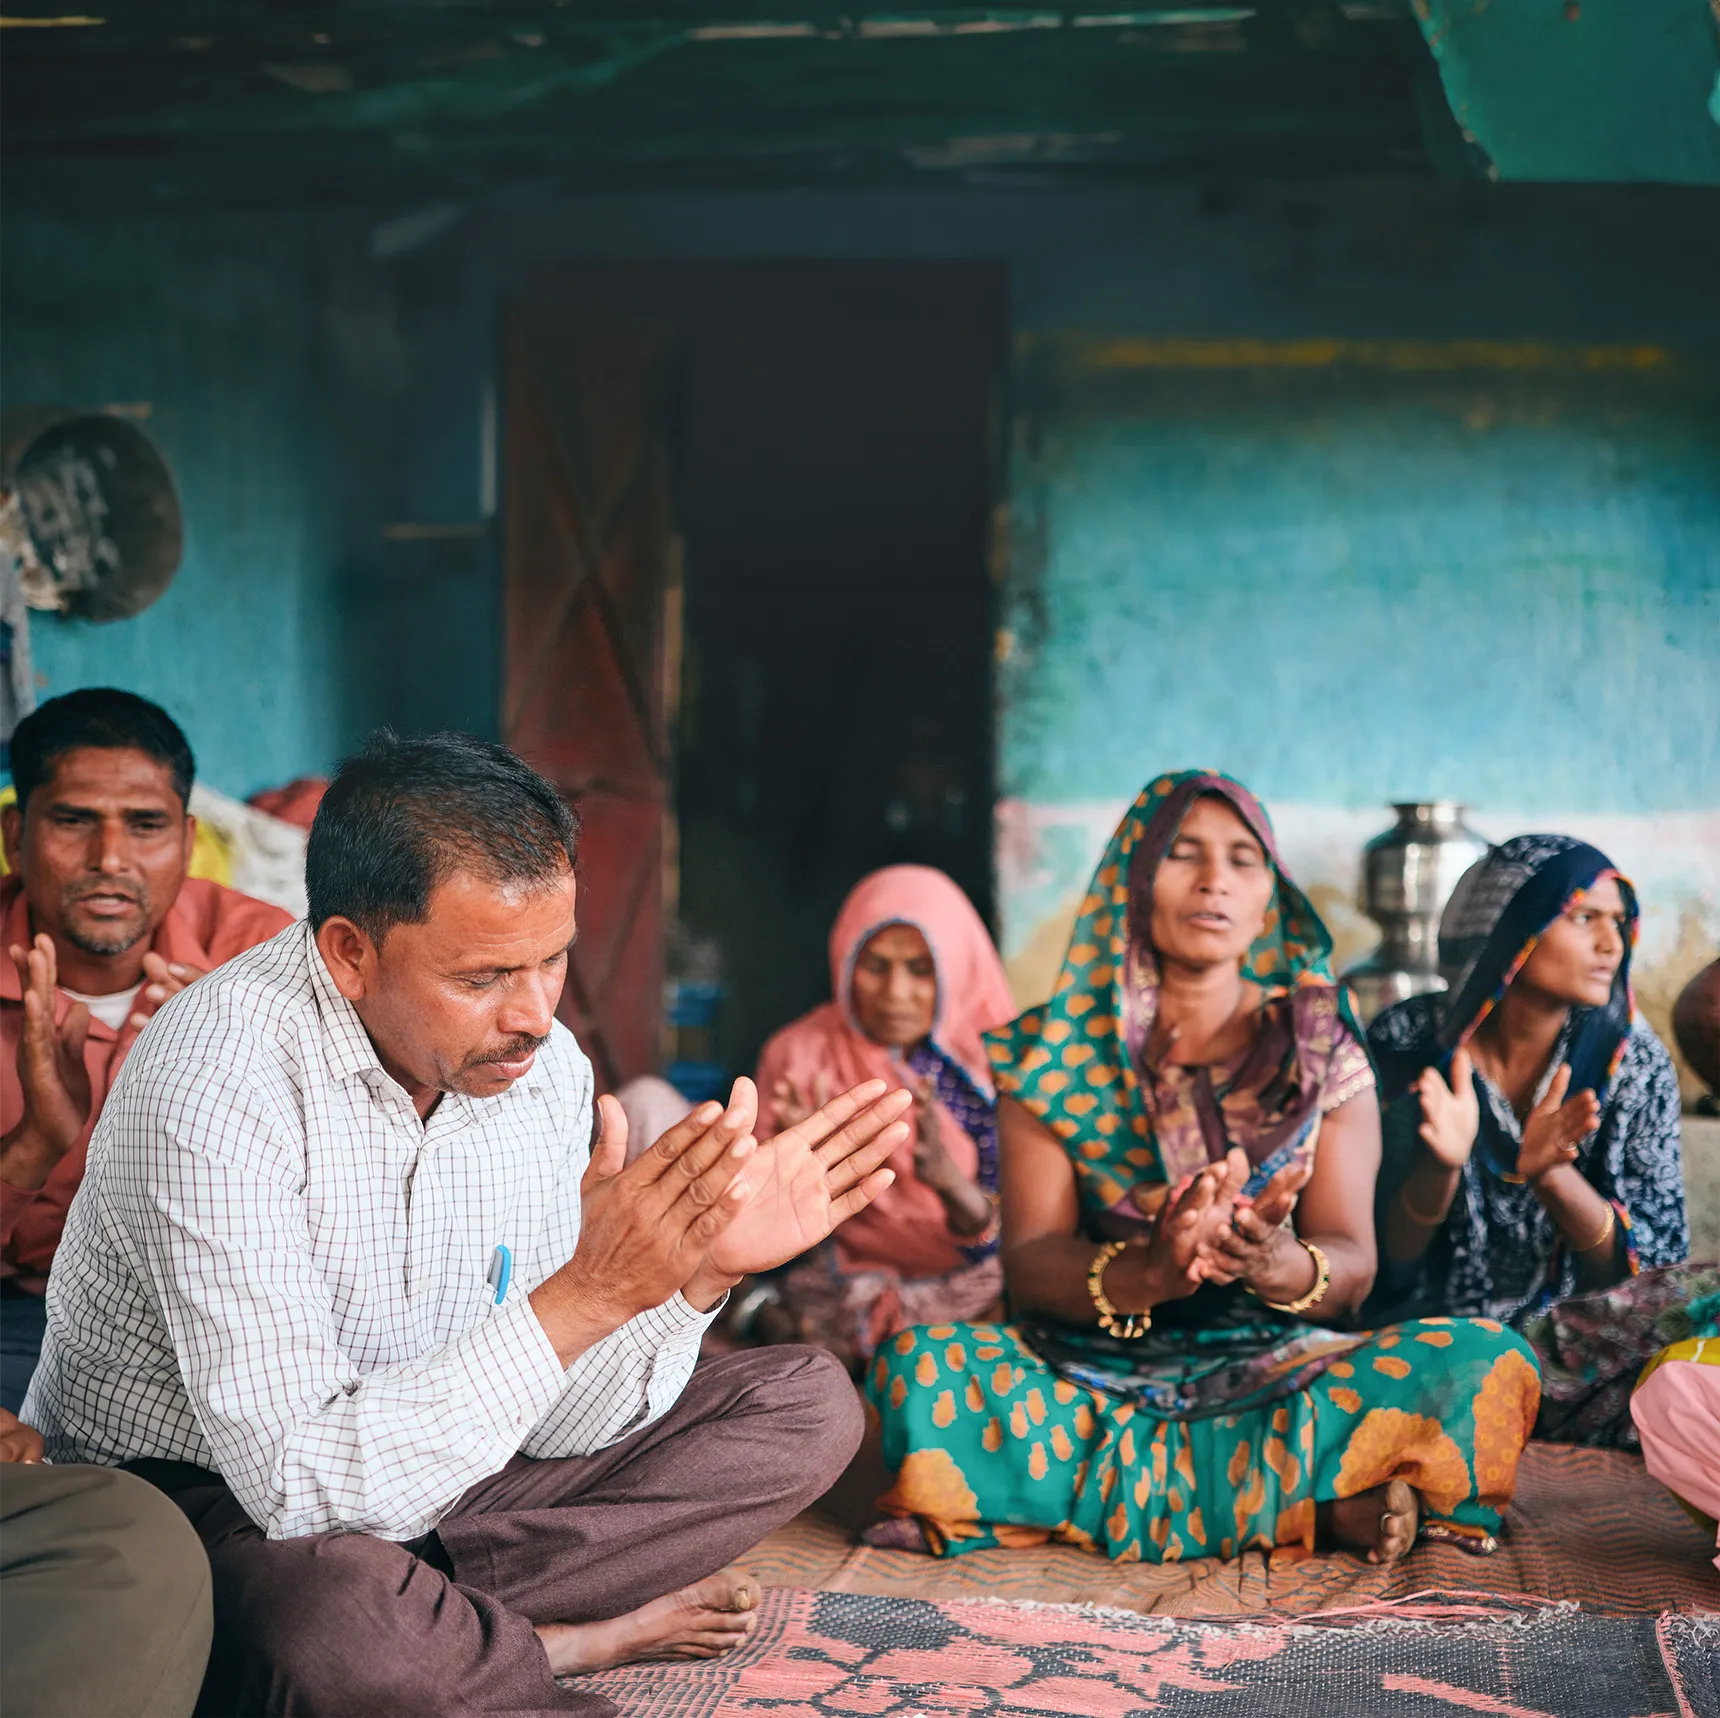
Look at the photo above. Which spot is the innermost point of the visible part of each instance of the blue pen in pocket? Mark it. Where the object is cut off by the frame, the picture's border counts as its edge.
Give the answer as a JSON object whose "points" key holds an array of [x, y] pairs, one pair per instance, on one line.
{"points": [[501, 1270]]}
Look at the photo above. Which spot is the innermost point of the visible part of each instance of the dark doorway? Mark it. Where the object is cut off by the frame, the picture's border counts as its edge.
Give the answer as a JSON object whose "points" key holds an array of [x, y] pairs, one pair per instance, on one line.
{"points": [[838, 467]]}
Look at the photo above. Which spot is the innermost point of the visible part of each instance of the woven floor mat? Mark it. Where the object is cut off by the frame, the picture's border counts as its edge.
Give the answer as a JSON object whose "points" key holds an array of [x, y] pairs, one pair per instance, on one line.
{"points": [[848, 1655], [1587, 1525]]}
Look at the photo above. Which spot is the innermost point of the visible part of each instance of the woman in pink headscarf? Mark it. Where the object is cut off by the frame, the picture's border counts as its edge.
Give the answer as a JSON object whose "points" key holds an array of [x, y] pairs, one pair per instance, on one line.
{"points": [[915, 980]]}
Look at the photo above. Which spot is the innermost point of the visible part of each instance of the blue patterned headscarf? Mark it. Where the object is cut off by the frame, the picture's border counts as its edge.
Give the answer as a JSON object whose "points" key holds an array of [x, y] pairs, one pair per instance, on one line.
{"points": [[1498, 912]]}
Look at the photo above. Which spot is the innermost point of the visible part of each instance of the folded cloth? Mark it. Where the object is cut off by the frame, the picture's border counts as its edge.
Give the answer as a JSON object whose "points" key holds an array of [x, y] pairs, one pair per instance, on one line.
{"points": [[1677, 1412]]}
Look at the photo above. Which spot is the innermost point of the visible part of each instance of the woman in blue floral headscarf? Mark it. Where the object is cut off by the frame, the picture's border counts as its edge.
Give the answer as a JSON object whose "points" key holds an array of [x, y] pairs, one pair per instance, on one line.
{"points": [[1532, 1170], [1189, 1138]]}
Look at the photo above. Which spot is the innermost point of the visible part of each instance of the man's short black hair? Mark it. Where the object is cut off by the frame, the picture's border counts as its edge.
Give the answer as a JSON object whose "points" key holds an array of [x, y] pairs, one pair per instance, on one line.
{"points": [[404, 815], [103, 717]]}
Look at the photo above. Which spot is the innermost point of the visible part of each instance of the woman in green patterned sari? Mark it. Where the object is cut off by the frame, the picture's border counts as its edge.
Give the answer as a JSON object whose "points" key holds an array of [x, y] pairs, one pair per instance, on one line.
{"points": [[1190, 1140]]}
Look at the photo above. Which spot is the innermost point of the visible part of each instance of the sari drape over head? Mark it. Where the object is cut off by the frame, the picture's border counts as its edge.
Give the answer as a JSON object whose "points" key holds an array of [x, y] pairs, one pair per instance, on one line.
{"points": [[1498, 1253], [1079, 1064], [1498, 912], [905, 1229], [1224, 1426]]}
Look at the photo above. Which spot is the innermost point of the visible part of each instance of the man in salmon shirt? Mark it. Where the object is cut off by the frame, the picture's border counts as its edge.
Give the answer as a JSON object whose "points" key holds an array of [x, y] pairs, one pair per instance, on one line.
{"points": [[99, 925]]}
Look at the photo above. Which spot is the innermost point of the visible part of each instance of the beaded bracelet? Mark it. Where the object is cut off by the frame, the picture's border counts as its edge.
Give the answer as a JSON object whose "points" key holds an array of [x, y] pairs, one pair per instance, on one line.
{"points": [[1128, 1326]]}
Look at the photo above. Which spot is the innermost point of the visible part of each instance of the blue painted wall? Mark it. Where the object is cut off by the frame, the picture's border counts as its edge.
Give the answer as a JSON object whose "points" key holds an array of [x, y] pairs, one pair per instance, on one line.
{"points": [[216, 340], [1346, 585], [1385, 562], [1353, 587], [305, 397]]}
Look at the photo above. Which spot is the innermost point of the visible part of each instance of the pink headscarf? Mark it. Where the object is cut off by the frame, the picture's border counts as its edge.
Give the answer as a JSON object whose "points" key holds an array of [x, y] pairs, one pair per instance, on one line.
{"points": [[904, 1229]]}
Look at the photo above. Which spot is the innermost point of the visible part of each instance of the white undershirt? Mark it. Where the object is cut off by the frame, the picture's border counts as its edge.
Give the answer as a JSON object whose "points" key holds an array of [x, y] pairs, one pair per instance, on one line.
{"points": [[112, 1010]]}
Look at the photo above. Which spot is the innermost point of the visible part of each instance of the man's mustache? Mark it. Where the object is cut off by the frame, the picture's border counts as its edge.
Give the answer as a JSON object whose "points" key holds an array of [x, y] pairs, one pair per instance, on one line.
{"points": [[515, 1048]]}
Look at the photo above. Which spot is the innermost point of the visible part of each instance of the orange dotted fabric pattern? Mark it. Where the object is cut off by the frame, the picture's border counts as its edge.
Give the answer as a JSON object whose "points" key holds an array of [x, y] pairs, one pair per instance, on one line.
{"points": [[990, 1447]]}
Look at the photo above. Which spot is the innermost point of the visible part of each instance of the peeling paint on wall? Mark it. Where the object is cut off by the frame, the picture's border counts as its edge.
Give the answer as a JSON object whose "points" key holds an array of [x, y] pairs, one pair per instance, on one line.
{"points": [[1358, 587], [1352, 572], [1591, 90], [293, 398]]}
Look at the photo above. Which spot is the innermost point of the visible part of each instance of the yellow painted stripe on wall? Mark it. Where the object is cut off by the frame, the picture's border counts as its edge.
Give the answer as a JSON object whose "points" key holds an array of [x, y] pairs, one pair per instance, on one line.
{"points": [[1101, 353]]}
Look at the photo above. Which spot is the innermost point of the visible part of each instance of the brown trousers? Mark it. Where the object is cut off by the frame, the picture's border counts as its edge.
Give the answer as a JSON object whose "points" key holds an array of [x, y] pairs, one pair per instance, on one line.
{"points": [[350, 1624]]}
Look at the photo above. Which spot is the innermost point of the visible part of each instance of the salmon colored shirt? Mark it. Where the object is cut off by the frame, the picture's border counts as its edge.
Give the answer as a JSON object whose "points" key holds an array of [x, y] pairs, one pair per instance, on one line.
{"points": [[207, 925]]}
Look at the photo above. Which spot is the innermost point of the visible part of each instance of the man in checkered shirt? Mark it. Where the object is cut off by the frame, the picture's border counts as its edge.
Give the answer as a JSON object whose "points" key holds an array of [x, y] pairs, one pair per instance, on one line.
{"points": [[351, 1280]]}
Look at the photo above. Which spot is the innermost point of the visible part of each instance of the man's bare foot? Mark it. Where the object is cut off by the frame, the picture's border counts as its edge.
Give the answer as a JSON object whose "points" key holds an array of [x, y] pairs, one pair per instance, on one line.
{"points": [[1381, 1522], [705, 1620]]}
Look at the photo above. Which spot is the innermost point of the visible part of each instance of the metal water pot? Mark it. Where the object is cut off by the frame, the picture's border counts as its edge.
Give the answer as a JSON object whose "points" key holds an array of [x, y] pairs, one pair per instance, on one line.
{"points": [[1408, 874]]}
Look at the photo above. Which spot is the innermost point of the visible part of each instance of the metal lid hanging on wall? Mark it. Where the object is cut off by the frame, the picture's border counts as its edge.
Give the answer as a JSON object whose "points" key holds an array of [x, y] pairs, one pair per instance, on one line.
{"points": [[91, 511]]}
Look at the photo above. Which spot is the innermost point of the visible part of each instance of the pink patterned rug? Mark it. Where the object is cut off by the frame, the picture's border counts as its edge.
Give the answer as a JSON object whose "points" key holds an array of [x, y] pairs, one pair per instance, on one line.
{"points": [[847, 1655]]}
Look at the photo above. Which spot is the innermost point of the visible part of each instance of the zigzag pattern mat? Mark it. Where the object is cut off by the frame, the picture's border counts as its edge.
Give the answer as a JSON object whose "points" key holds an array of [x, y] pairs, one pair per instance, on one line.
{"points": [[1588, 1525]]}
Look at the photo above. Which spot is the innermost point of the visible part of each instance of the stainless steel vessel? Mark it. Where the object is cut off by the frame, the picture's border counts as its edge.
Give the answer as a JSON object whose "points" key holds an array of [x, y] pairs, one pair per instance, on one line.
{"points": [[1408, 874]]}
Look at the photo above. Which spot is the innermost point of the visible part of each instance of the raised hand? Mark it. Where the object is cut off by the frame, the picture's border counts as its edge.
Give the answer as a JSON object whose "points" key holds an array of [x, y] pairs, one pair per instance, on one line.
{"points": [[932, 1161], [1258, 1248], [1556, 1127], [51, 1070], [165, 979], [813, 1176], [1450, 1114], [647, 1227], [967, 1208]]}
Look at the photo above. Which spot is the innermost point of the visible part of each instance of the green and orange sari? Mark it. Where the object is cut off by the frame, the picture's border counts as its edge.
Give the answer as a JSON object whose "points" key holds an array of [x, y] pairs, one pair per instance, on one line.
{"points": [[1223, 1428]]}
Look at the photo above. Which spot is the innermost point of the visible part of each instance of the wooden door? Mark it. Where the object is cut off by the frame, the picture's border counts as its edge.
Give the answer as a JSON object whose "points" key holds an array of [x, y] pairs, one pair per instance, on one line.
{"points": [[592, 607]]}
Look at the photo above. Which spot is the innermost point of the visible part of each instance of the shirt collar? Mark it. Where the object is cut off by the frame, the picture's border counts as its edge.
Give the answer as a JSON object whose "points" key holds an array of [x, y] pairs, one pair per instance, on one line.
{"points": [[346, 1044]]}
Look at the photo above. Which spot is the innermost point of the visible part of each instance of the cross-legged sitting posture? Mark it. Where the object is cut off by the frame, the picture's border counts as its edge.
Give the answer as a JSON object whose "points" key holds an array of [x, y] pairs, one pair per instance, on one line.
{"points": [[354, 1279], [1189, 1140], [914, 980]]}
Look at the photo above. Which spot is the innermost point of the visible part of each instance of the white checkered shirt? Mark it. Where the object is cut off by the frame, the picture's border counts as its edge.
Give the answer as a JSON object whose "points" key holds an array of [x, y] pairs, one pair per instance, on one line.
{"points": [[275, 1269]]}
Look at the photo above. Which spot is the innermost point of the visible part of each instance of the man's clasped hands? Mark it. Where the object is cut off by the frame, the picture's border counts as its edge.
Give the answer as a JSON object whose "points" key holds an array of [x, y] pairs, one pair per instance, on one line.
{"points": [[710, 1203]]}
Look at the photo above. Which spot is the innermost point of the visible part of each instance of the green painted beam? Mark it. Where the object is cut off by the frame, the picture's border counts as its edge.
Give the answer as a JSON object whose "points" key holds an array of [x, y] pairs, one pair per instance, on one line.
{"points": [[1584, 90], [247, 101]]}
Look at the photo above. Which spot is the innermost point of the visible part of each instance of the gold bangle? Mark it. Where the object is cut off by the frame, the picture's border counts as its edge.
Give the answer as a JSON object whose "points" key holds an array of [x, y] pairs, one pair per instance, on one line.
{"points": [[1605, 1234], [1128, 1326], [1421, 1217], [1322, 1282]]}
